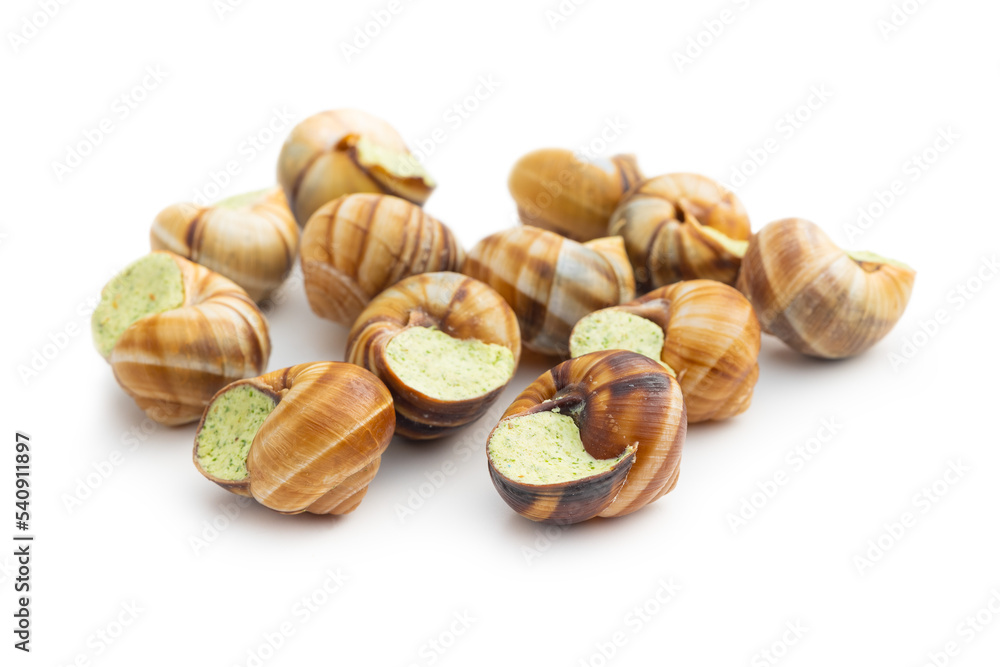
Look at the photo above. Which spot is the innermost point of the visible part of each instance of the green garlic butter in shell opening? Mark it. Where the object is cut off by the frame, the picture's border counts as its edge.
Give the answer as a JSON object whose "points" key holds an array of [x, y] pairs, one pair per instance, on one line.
{"points": [[446, 368], [400, 165], [231, 423], [148, 286], [544, 448], [612, 329], [863, 257]]}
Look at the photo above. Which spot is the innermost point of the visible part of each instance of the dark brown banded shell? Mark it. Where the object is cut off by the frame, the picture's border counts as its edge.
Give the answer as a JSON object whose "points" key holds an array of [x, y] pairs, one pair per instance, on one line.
{"points": [[662, 221], [618, 400], [358, 245], [567, 503], [457, 305], [321, 446], [815, 297], [173, 362], [550, 281]]}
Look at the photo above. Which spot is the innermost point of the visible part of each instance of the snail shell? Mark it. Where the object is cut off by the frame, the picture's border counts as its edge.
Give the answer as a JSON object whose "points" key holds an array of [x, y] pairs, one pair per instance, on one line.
{"points": [[550, 281], [624, 405], [682, 227], [172, 362], [340, 152], [458, 306], [319, 447], [358, 245], [251, 239], [555, 190], [819, 299], [711, 340]]}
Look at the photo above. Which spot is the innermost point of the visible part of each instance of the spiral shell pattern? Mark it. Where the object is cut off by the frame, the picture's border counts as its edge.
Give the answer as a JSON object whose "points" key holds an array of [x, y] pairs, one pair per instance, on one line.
{"points": [[358, 245], [459, 306], [672, 226], [339, 152], [320, 447], [550, 281], [253, 242], [171, 363], [618, 400], [817, 298], [712, 340], [556, 190]]}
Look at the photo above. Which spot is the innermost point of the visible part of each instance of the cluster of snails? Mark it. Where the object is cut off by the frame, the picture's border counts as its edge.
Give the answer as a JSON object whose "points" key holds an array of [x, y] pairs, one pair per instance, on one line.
{"points": [[654, 290]]}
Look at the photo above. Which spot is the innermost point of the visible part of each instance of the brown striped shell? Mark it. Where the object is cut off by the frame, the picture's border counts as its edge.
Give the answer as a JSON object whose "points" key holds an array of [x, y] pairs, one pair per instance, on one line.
{"points": [[817, 298], [171, 363], [321, 446], [618, 400], [251, 239], [550, 281], [340, 152], [358, 245], [711, 341], [457, 305], [555, 190], [672, 226]]}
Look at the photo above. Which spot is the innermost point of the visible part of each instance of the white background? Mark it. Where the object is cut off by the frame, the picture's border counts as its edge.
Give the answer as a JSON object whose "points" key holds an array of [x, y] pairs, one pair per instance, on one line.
{"points": [[533, 597]]}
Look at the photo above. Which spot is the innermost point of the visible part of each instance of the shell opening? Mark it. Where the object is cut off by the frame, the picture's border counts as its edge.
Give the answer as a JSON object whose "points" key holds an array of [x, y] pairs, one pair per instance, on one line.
{"points": [[230, 424], [614, 329], [541, 448], [447, 368], [403, 165], [150, 285], [870, 261], [244, 199], [735, 247]]}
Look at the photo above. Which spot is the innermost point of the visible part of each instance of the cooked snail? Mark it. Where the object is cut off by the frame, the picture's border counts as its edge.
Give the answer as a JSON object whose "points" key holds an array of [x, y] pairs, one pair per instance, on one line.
{"points": [[356, 246], [682, 227], [705, 331], [251, 238], [550, 281], [303, 439], [819, 299], [340, 152], [599, 435], [175, 333], [555, 190], [446, 346]]}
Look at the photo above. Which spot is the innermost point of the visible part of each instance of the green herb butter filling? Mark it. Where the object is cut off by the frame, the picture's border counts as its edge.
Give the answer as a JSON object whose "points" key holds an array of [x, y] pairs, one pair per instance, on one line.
{"points": [[243, 199], [150, 285], [232, 421], [735, 247], [447, 368], [616, 330], [397, 164], [544, 448], [867, 257]]}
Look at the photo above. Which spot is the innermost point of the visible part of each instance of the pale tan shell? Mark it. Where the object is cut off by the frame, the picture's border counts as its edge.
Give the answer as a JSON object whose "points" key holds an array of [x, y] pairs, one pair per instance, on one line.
{"points": [[328, 155], [321, 446], [172, 363], [457, 305], [618, 400], [251, 239], [555, 190], [664, 223], [358, 245], [550, 281], [711, 341], [816, 297]]}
